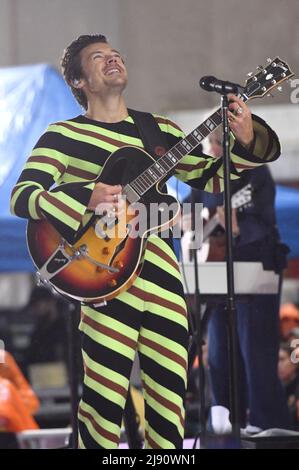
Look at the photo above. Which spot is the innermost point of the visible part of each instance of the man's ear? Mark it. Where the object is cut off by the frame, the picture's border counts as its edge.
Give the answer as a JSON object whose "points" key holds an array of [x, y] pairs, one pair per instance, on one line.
{"points": [[77, 83]]}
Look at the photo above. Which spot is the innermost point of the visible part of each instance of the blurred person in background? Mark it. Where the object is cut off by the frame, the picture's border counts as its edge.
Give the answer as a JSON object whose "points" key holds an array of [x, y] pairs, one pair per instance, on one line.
{"points": [[48, 342], [256, 238], [289, 319], [288, 372], [18, 402]]}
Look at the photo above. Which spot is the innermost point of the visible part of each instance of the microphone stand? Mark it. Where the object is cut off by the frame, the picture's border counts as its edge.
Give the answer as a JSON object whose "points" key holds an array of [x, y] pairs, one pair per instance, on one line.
{"points": [[230, 301], [198, 335]]}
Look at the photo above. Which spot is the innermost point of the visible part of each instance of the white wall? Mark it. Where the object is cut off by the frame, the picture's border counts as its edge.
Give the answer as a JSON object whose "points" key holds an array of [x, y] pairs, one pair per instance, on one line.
{"points": [[39, 30], [169, 44]]}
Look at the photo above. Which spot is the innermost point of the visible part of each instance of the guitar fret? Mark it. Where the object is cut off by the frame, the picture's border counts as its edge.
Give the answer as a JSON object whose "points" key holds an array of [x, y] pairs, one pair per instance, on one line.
{"points": [[178, 155], [166, 160], [137, 185], [147, 176], [160, 168], [152, 174], [145, 180], [205, 129], [216, 119], [134, 185], [210, 124], [165, 164], [155, 171], [172, 157], [193, 141], [182, 147], [189, 146], [198, 135], [170, 160], [141, 184]]}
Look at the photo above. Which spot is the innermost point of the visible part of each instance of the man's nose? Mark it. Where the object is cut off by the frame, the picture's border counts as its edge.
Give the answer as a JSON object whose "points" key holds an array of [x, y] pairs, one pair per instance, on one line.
{"points": [[111, 59]]}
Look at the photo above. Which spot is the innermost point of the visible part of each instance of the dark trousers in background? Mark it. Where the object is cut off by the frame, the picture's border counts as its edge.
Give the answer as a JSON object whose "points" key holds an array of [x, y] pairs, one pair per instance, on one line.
{"points": [[260, 390]]}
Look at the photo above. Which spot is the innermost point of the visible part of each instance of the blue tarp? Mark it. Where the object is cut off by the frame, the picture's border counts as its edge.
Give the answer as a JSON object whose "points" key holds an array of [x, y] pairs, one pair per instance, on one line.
{"points": [[287, 212], [31, 97]]}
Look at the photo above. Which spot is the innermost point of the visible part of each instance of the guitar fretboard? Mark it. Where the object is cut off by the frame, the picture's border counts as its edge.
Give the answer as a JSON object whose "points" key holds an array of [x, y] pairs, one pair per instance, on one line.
{"points": [[165, 164]]}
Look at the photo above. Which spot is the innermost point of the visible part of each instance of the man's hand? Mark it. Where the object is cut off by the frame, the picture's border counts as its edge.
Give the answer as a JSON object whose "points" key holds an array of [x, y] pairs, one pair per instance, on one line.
{"points": [[240, 121], [221, 218], [106, 197]]}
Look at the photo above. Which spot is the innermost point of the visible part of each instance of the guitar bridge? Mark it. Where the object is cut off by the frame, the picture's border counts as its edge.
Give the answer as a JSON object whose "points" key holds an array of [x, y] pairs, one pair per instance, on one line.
{"points": [[58, 261]]}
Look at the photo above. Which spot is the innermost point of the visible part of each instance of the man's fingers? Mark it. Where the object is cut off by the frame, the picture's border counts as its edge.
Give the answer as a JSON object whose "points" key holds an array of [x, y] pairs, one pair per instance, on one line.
{"points": [[111, 206], [108, 188], [113, 189], [115, 198], [235, 98], [237, 104], [110, 198], [235, 107], [233, 118], [103, 193]]}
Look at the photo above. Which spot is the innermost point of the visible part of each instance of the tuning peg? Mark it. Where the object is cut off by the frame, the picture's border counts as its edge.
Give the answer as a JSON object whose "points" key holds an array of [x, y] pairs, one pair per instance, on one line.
{"points": [[279, 88], [269, 59], [260, 67], [249, 74]]}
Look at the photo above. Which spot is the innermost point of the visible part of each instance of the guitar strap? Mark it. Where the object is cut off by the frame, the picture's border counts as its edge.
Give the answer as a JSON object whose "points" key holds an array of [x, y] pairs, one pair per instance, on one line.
{"points": [[154, 140]]}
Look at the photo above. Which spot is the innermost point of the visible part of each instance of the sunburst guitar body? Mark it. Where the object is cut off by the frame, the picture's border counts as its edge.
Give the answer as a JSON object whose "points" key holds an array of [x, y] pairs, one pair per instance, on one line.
{"points": [[107, 255]]}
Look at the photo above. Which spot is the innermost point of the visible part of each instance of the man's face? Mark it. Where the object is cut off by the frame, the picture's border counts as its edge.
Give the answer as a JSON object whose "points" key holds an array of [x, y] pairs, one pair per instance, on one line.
{"points": [[103, 69]]}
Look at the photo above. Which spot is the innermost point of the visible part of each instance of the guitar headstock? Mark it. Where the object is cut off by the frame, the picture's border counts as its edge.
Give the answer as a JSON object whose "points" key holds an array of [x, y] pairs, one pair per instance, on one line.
{"points": [[267, 78]]}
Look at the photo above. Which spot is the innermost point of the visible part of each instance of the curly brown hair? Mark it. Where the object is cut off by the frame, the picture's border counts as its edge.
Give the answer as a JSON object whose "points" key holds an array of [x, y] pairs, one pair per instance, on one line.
{"points": [[71, 63]]}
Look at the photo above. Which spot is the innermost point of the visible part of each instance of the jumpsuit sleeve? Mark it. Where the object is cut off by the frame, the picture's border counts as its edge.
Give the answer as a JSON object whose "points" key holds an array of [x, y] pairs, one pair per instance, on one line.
{"points": [[39, 192]]}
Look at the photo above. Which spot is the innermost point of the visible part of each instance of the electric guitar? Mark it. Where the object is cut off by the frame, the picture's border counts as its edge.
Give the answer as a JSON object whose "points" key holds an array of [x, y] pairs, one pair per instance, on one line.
{"points": [[239, 200], [107, 254]]}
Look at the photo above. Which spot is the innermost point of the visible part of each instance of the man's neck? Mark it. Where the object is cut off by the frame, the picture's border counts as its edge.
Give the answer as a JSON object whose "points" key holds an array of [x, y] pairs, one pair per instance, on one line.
{"points": [[110, 109]]}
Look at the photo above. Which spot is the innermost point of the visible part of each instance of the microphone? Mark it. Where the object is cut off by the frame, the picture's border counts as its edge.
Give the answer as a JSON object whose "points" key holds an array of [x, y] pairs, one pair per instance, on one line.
{"points": [[210, 83]]}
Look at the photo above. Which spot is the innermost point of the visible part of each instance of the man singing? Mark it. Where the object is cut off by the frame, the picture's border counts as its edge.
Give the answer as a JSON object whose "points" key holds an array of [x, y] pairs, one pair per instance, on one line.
{"points": [[150, 316]]}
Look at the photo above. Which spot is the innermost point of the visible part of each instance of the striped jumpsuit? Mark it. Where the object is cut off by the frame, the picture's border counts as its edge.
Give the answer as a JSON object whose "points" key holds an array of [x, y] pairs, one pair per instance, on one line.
{"points": [[150, 317]]}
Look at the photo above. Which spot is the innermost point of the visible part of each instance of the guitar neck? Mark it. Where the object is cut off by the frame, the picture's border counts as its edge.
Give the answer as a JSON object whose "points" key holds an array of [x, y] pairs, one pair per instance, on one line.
{"points": [[164, 166], [210, 226]]}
